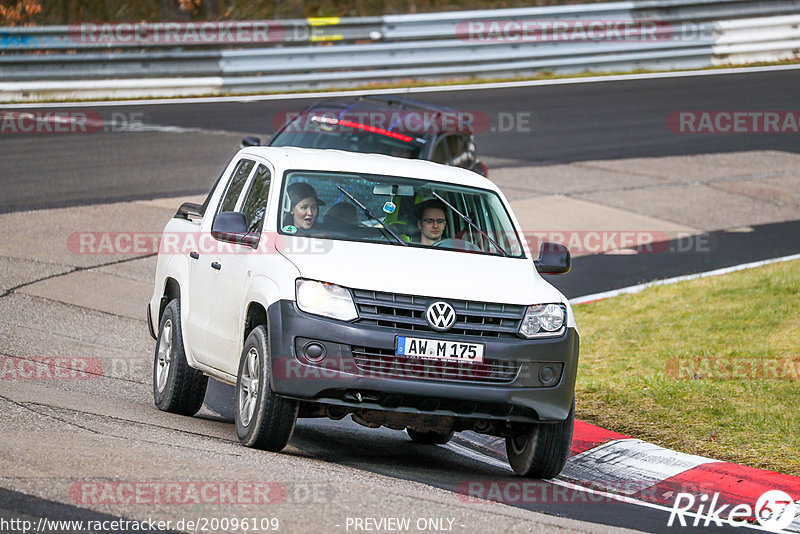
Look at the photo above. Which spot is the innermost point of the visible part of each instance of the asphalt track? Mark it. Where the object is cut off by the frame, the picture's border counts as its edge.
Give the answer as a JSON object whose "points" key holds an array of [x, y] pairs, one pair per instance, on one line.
{"points": [[560, 123], [691, 255], [570, 123]]}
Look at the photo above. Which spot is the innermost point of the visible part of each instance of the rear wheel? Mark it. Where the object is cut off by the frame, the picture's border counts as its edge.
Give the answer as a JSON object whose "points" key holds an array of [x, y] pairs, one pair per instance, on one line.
{"points": [[543, 449], [430, 438], [263, 419], [177, 388]]}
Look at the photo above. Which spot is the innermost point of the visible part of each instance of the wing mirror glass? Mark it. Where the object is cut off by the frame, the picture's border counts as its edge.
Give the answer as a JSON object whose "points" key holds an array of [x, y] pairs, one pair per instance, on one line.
{"points": [[250, 141], [231, 227], [554, 258]]}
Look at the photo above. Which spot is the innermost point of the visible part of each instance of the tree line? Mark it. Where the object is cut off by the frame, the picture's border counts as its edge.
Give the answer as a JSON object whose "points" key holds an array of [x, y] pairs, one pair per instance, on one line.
{"points": [[36, 12]]}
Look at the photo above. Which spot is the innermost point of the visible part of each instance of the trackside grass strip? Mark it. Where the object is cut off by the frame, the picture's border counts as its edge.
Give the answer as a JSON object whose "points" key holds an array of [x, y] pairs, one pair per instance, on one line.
{"points": [[708, 367]]}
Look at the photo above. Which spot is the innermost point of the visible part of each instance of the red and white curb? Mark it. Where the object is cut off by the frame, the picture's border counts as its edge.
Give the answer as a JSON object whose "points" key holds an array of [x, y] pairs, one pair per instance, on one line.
{"points": [[608, 460], [609, 464]]}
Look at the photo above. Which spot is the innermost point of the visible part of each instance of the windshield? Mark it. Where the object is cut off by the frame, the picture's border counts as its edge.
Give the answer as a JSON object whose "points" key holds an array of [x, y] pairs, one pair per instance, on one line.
{"points": [[324, 131], [396, 211]]}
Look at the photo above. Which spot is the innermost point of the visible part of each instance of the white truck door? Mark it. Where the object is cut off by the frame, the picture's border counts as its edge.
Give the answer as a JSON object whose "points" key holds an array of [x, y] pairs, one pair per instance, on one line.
{"points": [[236, 267], [204, 271]]}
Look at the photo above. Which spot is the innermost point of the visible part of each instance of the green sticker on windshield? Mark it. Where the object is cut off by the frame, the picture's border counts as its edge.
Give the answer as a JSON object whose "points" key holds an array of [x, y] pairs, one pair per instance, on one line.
{"points": [[289, 229]]}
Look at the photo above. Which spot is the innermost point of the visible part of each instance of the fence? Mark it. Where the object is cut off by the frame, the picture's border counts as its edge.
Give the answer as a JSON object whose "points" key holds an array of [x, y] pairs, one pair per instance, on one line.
{"points": [[169, 59]]}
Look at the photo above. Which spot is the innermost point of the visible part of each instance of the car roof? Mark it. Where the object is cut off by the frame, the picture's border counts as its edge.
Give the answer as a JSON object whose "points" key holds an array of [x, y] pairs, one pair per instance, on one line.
{"points": [[384, 103], [380, 102], [285, 158]]}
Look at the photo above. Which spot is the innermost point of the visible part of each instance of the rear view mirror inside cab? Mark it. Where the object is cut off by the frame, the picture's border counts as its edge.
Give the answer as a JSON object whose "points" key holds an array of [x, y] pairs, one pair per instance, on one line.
{"points": [[393, 190]]}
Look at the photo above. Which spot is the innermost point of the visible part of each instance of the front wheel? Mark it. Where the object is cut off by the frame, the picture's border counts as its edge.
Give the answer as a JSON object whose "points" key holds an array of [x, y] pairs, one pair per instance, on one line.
{"points": [[263, 419], [177, 388], [542, 450], [430, 438]]}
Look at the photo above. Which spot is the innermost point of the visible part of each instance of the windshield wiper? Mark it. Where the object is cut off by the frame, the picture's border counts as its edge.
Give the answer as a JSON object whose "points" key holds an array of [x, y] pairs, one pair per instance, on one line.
{"points": [[469, 222], [371, 215]]}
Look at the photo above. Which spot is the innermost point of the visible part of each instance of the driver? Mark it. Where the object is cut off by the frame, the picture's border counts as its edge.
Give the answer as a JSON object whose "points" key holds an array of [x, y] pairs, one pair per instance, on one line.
{"points": [[431, 221], [304, 206]]}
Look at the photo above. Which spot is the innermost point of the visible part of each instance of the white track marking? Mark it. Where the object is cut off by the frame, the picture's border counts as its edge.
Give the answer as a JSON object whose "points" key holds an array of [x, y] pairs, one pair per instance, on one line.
{"points": [[631, 465], [641, 287]]}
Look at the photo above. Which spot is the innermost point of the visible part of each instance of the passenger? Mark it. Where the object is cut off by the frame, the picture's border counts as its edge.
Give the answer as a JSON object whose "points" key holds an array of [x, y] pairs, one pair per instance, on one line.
{"points": [[342, 212], [304, 204], [431, 221]]}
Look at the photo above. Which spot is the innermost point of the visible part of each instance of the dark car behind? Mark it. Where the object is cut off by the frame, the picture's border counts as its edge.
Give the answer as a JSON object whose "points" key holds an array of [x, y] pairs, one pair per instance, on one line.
{"points": [[384, 125]]}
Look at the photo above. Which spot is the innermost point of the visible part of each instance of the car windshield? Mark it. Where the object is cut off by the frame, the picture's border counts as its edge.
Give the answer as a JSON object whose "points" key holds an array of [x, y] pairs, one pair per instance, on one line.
{"points": [[326, 131], [396, 211]]}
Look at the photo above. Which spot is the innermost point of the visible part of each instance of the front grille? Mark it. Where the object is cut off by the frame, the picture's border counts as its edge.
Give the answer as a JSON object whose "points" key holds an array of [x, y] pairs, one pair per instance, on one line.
{"points": [[383, 362], [407, 312]]}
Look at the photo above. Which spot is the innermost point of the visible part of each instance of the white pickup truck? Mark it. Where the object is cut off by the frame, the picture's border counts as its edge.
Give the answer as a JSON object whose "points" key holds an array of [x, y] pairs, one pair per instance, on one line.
{"points": [[402, 293]]}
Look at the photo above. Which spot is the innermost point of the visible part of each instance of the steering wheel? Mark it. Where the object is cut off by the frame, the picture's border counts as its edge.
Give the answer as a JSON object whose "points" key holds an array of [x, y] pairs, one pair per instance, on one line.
{"points": [[457, 244]]}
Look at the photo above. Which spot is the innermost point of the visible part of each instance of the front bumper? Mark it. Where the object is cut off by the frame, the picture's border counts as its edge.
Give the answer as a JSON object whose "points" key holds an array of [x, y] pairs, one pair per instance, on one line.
{"points": [[339, 380]]}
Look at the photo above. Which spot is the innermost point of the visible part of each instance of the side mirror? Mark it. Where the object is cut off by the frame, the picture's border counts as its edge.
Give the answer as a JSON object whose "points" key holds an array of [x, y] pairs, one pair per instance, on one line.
{"points": [[554, 258], [189, 210], [231, 227], [250, 141]]}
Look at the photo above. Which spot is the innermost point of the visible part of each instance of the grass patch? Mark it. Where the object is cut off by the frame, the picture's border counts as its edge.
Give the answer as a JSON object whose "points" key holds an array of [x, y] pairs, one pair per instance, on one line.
{"points": [[708, 367]]}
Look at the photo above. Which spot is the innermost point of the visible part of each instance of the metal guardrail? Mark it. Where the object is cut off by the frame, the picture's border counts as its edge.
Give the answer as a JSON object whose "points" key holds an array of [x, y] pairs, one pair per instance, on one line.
{"points": [[49, 61], [99, 36], [442, 25]]}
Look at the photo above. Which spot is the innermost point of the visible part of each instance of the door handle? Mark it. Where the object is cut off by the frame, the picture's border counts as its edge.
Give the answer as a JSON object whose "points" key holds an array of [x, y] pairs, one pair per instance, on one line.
{"points": [[194, 255], [216, 265]]}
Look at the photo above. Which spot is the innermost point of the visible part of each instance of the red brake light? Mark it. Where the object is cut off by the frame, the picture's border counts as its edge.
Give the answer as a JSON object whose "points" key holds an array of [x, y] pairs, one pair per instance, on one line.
{"points": [[365, 127]]}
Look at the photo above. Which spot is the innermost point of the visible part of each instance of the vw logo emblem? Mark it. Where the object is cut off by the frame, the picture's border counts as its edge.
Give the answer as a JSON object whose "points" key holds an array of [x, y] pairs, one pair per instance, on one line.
{"points": [[440, 316]]}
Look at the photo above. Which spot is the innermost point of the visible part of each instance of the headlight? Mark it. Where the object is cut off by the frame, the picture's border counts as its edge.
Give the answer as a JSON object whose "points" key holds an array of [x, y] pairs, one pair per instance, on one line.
{"points": [[543, 320], [329, 300]]}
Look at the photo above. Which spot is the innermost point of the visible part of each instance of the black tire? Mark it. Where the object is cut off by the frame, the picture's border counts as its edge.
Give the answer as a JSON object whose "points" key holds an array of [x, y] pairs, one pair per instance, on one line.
{"points": [[543, 450], [263, 420], [177, 388], [429, 438]]}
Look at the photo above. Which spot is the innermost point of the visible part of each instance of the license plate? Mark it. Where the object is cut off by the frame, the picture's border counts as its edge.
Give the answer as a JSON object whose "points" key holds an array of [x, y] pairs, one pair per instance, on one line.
{"points": [[436, 349]]}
